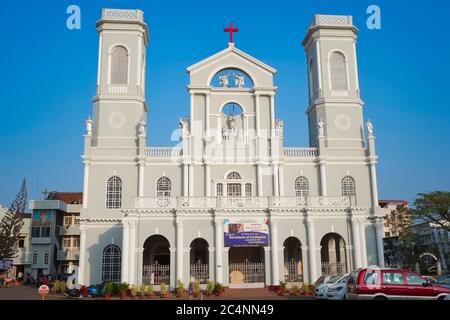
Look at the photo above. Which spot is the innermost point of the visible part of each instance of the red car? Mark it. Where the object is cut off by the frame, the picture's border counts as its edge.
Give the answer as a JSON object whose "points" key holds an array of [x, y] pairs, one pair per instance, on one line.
{"points": [[389, 284]]}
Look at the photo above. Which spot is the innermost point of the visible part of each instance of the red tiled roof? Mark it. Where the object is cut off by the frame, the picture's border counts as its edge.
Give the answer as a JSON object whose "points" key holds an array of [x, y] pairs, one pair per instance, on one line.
{"points": [[67, 197], [397, 202]]}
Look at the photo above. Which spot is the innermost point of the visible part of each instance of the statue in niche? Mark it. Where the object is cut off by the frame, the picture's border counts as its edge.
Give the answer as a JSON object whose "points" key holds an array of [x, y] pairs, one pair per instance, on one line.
{"points": [[369, 129], [88, 123], [239, 80], [279, 127], [223, 79], [184, 125], [320, 127], [230, 128], [141, 128]]}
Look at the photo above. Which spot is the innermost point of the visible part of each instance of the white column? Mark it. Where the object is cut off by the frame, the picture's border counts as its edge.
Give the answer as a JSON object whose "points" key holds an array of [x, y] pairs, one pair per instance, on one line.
{"points": [[323, 179], [276, 186], [311, 250], [274, 250], [257, 115], [191, 180], [185, 180], [218, 224], [82, 259], [362, 231], [208, 103], [207, 180], [380, 247], [125, 251], [281, 179], [348, 257], [259, 179], [356, 244], [305, 265], [86, 184], [132, 253], [272, 116], [179, 239], [191, 114], [140, 262], [141, 178], [373, 180]]}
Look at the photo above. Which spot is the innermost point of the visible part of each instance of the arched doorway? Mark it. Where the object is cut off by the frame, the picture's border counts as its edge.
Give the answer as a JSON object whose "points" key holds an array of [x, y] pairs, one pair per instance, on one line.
{"points": [[293, 264], [199, 261], [246, 267], [156, 261], [332, 254]]}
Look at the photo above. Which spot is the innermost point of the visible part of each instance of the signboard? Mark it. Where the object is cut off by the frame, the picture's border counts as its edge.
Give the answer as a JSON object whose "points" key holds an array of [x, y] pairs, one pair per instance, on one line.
{"points": [[44, 289], [41, 218], [6, 264], [246, 232]]}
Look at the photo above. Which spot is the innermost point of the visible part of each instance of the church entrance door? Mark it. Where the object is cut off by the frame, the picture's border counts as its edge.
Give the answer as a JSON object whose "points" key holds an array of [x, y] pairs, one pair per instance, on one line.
{"points": [[246, 267]]}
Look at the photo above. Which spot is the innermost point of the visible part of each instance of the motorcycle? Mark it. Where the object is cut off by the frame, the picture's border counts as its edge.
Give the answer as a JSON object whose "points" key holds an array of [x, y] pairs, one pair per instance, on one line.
{"points": [[95, 291], [73, 293]]}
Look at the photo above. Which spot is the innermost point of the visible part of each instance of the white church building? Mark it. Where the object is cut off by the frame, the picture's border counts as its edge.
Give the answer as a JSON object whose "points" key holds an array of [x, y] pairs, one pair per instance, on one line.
{"points": [[229, 203]]}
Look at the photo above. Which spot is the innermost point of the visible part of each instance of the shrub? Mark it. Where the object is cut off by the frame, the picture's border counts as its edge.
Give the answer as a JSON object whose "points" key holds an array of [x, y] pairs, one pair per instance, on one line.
{"points": [[196, 288], [149, 290], [209, 287], [180, 289], [163, 288], [108, 288]]}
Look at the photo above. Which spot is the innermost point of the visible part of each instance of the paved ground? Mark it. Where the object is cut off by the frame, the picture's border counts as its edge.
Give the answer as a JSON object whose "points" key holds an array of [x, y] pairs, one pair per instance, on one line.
{"points": [[30, 293]]}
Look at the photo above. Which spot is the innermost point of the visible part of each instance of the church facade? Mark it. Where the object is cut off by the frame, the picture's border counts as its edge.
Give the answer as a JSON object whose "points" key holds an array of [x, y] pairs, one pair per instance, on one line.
{"points": [[229, 203]]}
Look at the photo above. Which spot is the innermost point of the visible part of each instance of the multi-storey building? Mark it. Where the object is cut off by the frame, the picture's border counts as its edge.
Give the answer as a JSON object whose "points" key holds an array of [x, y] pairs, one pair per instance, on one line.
{"points": [[229, 203]]}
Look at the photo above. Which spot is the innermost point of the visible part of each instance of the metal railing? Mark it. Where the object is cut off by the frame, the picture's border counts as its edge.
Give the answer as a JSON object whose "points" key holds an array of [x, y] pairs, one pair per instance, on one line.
{"points": [[156, 274], [293, 271], [200, 272], [247, 273], [333, 268]]}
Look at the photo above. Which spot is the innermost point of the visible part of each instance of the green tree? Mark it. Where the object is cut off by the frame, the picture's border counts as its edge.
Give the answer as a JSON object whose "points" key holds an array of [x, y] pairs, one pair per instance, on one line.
{"points": [[11, 224], [434, 207]]}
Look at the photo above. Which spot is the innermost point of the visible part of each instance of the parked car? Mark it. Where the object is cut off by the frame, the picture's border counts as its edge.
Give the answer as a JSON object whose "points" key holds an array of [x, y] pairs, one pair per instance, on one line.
{"points": [[387, 284], [443, 281], [338, 289], [324, 279], [321, 290]]}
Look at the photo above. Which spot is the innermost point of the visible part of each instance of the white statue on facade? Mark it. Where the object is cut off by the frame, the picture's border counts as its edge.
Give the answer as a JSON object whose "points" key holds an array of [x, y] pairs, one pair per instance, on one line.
{"points": [[223, 79], [320, 127], [239, 81], [184, 125], [369, 129], [88, 123], [279, 127], [141, 128]]}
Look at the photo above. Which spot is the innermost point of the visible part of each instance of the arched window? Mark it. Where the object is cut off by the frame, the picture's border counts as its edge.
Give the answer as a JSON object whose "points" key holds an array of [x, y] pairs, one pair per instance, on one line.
{"points": [[163, 187], [338, 71], [119, 65], [111, 263], [301, 187], [114, 193], [234, 175], [348, 187]]}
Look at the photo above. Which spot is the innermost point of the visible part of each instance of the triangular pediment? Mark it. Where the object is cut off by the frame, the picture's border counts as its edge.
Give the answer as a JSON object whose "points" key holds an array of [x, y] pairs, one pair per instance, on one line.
{"points": [[231, 50]]}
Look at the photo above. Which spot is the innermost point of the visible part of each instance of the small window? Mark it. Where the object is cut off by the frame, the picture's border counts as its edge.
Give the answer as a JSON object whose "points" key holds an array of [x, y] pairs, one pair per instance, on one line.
{"points": [[36, 232], [21, 242], [35, 257], [414, 280], [46, 257], [114, 193], [392, 278], [119, 65], [338, 72], [234, 175], [67, 220], [66, 243], [234, 190], [76, 243], [45, 232], [348, 187], [219, 190], [248, 190], [163, 187], [301, 187]]}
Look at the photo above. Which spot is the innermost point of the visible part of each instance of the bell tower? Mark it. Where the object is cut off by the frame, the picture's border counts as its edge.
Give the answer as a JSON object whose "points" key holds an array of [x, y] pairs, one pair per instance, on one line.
{"points": [[335, 109], [119, 104]]}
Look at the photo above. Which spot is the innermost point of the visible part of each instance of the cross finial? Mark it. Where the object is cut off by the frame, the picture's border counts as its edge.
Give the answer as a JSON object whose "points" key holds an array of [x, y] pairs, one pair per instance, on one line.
{"points": [[230, 29]]}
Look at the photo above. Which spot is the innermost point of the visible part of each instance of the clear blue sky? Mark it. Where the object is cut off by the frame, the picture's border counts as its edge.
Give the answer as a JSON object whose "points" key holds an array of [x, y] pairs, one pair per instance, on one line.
{"points": [[49, 74]]}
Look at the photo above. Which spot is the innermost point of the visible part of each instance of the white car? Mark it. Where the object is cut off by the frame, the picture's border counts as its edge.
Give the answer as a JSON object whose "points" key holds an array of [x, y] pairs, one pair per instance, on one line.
{"points": [[322, 289], [338, 290]]}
